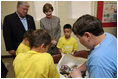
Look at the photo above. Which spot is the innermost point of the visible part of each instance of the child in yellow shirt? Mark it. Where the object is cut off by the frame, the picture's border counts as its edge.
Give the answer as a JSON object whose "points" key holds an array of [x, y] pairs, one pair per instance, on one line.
{"points": [[36, 63], [24, 45], [67, 43]]}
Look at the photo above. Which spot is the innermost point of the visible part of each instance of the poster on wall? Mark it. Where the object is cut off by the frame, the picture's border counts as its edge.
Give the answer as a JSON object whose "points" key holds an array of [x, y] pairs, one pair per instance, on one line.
{"points": [[107, 13]]}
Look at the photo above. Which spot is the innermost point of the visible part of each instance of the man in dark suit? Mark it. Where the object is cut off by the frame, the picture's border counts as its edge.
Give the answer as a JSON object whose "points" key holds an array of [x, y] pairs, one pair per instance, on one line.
{"points": [[15, 25]]}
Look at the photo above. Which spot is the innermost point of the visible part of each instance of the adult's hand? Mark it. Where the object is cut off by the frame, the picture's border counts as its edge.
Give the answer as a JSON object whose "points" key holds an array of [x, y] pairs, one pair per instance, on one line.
{"points": [[54, 42], [75, 74], [13, 52]]}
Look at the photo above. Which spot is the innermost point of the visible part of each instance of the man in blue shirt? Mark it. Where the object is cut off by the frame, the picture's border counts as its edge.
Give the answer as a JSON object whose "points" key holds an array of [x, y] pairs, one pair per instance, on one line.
{"points": [[102, 60]]}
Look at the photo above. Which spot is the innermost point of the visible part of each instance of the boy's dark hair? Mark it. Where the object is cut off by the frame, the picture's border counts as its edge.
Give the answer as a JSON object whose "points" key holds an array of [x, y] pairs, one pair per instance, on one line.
{"points": [[67, 26], [88, 23], [40, 37], [47, 7], [28, 34]]}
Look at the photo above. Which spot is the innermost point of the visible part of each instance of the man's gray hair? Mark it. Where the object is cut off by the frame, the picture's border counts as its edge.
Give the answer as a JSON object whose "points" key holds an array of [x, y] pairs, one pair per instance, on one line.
{"points": [[22, 3]]}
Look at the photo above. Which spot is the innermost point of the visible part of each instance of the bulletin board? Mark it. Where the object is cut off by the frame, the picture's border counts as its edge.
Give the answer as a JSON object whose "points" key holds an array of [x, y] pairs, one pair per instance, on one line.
{"points": [[107, 13]]}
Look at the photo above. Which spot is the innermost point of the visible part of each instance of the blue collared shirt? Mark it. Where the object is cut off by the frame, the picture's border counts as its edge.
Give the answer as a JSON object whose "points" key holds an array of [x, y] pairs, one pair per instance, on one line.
{"points": [[24, 22]]}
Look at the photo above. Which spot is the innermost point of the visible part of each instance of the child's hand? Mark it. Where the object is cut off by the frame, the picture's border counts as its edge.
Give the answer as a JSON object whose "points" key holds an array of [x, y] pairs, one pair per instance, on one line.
{"points": [[75, 74]]}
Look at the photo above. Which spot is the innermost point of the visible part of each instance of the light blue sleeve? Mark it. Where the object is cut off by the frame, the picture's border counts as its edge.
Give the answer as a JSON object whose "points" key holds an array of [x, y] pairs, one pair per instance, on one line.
{"points": [[96, 71]]}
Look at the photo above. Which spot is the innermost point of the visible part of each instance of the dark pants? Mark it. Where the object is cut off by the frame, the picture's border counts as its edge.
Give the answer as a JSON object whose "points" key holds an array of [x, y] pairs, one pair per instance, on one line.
{"points": [[3, 70]]}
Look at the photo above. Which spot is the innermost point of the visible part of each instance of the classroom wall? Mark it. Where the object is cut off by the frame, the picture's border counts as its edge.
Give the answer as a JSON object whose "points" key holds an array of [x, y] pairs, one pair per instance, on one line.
{"points": [[8, 7]]}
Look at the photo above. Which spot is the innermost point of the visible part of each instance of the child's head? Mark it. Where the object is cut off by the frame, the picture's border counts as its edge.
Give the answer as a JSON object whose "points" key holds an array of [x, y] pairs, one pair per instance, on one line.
{"points": [[88, 28], [27, 36], [40, 38], [67, 30], [88, 23]]}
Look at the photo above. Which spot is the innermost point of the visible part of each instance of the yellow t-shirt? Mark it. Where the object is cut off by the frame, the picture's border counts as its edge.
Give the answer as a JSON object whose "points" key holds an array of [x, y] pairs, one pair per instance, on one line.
{"points": [[67, 46], [35, 65], [22, 48]]}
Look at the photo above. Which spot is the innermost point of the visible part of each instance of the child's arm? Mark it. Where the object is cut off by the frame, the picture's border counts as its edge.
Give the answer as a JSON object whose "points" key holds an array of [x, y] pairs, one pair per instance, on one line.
{"points": [[82, 67], [73, 52], [60, 50], [76, 74]]}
